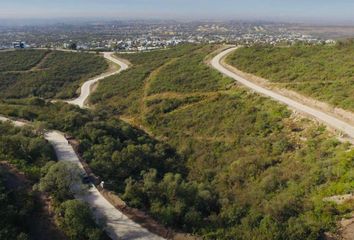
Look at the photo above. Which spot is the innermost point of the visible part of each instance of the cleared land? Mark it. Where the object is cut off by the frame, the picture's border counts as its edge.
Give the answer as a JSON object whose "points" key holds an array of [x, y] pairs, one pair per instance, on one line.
{"points": [[322, 72]]}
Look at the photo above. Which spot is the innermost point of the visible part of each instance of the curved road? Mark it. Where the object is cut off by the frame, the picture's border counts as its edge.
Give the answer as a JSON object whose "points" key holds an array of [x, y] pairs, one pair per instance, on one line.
{"points": [[86, 87], [118, 226], [309, 111]]}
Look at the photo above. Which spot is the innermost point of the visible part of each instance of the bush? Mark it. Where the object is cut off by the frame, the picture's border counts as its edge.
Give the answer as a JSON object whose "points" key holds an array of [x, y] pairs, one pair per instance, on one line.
{"points": [[76, 220]]}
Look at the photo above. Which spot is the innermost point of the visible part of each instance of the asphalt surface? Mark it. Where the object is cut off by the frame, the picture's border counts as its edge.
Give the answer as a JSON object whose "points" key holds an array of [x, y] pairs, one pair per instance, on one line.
{"points": [[321, 116]]}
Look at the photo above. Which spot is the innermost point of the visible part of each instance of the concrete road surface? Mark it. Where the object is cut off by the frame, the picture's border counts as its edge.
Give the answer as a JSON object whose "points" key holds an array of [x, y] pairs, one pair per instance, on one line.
{"points": [[323, 117], [118, 225], [86, 87]]}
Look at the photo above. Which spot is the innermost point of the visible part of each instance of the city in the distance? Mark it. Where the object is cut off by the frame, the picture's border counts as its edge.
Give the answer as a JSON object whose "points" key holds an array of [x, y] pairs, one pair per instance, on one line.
{"points": [[179, 119]]}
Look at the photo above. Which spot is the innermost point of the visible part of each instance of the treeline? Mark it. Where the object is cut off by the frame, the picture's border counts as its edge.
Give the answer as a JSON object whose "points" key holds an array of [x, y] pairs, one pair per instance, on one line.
{"points": [[25, 149], [59, 76], [28, 152]]}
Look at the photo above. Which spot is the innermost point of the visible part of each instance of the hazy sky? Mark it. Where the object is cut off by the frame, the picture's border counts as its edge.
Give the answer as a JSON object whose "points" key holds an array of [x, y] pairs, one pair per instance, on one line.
{"points": [[288, 10]]}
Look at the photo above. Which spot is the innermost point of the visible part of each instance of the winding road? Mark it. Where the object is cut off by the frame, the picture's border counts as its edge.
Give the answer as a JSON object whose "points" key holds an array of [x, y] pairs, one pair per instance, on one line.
{"points": [[118, 226], [86, 87], [331, 121]]}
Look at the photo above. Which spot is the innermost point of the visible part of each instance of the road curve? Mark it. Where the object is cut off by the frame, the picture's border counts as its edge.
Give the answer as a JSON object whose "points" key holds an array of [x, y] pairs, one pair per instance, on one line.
{"points": [[86, 87], [118, 226], [321, 116]]}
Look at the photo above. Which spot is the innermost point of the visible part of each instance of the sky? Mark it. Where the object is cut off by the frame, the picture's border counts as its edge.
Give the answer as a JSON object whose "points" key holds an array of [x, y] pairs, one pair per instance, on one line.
{"points": [[317, 11]]}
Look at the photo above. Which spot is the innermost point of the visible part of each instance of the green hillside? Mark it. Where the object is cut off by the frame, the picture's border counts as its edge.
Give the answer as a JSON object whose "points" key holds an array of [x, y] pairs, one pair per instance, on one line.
{"points": [[47, 74], [201, 154], [251, 169], [322, 72]]}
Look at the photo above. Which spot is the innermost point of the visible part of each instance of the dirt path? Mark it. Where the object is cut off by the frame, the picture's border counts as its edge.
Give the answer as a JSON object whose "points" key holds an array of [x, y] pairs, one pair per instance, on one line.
{"points": [[147, 85], [118, 225]]}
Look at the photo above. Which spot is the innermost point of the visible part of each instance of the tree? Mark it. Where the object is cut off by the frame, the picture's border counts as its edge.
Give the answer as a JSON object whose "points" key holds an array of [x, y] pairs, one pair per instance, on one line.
{"points": [[76, 220], [62, 180], [72, 46]]}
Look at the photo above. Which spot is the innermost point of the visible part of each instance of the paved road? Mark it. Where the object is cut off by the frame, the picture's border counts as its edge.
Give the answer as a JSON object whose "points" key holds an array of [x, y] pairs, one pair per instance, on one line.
{"points": [[323, 117], [118, 226], [86, 87]]}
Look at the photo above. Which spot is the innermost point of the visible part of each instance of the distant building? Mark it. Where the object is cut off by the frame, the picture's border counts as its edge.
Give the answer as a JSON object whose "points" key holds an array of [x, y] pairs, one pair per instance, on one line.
{"points": [[19, 44]]}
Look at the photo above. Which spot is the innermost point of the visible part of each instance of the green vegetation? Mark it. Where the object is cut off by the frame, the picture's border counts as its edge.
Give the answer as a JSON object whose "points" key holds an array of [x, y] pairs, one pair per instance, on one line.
{"points": [[188, 73], [25, 149], [20, 60], [58, 76], [33, 155], [223, 163], [15, 209], [122, 93], [62, 181], [323, 72], [28, 151], [250, 169], [77, 221]]}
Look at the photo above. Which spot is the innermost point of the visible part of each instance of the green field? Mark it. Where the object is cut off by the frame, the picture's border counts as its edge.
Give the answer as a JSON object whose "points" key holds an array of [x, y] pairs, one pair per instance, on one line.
{"points": [[322, 72], [57, 75]]}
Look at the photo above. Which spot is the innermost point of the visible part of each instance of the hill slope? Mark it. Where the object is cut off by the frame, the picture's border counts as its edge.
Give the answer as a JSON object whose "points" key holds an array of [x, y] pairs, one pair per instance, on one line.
{"points": [[46, 74], [322, 72], [251, 170], [220, 162]]}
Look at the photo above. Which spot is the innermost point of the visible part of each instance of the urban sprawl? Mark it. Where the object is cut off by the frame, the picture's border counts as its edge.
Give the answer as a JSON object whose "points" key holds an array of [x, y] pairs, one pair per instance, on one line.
{"points": [[140, 36]]}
